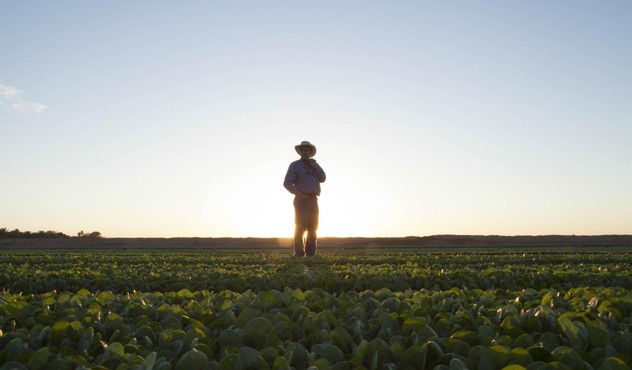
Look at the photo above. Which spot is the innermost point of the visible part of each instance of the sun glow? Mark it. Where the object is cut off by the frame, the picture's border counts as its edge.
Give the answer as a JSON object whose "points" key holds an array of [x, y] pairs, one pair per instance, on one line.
{"points": [[342, 215], [344, 209]]}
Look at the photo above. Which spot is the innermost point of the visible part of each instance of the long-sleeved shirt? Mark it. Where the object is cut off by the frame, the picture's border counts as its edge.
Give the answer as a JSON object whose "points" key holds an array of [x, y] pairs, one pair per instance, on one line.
{"points": [[304, 177]]}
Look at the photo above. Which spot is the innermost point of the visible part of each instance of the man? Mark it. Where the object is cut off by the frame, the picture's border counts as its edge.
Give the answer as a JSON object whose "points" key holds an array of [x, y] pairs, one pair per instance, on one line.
{"points": [[303, 179]]}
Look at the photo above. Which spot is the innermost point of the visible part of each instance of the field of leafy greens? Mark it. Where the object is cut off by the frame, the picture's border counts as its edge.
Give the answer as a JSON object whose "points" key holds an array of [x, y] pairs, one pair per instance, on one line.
{"points": [[354, 309]]}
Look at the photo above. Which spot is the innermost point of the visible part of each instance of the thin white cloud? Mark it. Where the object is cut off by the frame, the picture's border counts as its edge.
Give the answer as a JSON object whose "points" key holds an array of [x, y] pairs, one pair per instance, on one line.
{"points": [[29, 107], [13, 97], [9, 92]]}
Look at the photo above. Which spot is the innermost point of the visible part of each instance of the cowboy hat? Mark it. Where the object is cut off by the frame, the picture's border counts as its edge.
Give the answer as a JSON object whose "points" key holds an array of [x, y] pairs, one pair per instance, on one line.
{"points": [[311, 147]]}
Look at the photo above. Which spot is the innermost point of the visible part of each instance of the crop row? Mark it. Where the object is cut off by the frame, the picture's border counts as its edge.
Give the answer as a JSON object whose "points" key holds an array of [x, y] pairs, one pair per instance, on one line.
{"points": [[579, 328], [332, 272]]}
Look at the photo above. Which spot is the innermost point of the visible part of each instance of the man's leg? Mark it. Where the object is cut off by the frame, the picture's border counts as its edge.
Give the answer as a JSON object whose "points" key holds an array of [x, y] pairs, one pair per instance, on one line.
{"points": [[312, 227], [299, 244], [300, 220]]}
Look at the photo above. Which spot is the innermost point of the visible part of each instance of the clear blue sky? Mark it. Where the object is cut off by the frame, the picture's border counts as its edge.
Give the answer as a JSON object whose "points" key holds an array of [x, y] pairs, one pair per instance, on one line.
{"points": [[163, 118]]}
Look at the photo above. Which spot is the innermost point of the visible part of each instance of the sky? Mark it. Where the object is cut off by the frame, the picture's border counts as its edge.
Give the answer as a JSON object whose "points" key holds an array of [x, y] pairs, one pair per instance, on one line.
{"points": [[179, 119]]}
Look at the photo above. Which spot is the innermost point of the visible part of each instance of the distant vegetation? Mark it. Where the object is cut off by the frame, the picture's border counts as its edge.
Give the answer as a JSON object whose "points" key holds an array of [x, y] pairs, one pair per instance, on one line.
{"points": [[94, 234], [17, 234]]}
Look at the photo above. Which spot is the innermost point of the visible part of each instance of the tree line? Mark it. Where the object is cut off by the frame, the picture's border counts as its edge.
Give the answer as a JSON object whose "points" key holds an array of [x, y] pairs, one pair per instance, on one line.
{"points": [[16, 233]]}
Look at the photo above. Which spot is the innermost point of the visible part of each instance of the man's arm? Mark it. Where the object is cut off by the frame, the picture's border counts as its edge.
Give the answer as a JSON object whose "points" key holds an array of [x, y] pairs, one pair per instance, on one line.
{"points": [[290, 178], [318, 170]]}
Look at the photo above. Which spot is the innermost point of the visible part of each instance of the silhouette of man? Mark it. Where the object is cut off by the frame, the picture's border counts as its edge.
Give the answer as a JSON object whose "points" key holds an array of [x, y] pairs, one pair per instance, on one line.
{"points": [[303, 179]]}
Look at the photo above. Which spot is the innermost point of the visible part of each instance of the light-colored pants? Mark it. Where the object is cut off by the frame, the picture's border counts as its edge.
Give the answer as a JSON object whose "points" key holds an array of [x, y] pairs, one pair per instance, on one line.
{"points": [[306, 220]]}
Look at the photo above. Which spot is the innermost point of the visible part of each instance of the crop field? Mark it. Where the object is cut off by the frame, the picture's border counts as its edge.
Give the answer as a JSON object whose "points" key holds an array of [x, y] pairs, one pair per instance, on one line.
{"points": [[529, 308]]}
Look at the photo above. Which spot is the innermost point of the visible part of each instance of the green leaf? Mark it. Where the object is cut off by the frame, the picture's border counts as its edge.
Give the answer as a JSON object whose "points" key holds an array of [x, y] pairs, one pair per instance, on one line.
{"points": [[192, 360], [467, 336], [60, 326], [39, 358], [388, 322], [13, 365], [598, 334], [539, 353], [575, 336], [270, 354], [246, 315], [258, 332], [559, 366], [148, 362], [461, 349], [414, 357], [547, 298], [114, 321], [476, 352], [523, 341], [612, 305], [433, 351], [613, 363], [192, 336], [326, 319], [298, 354], [320, 364], [549, 341], [568, 356], [500, 354], [206, 349], [332, 353], [105, 297], [427, 333], [623, 343], [280, 363], [230, 362], [166, 338], [342, 339], [520, 356], [298, 294], [83, 292], [547, 317], [360, 353], [381, 350], [185, 294], [413, 325], [230, 338], [486, 362], [458, 364], [114, 351], [163, 366], [538, 365], [268, 298], [486, 331], [248, 357]]}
